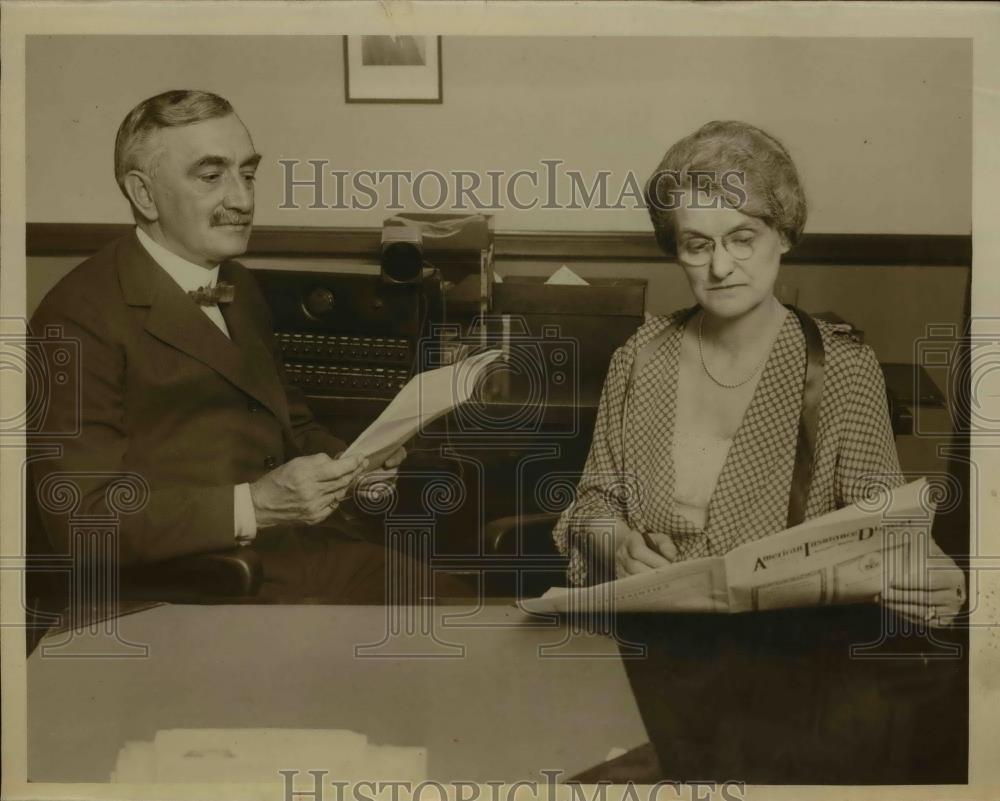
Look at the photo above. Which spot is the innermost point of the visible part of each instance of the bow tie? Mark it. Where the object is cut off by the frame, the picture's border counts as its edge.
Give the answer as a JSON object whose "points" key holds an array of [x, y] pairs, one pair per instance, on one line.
{"points": [[222, 292]]}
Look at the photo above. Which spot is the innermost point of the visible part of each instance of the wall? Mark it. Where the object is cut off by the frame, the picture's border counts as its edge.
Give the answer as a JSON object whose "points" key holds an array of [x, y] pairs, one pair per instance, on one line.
{"points": [[880, 128]]}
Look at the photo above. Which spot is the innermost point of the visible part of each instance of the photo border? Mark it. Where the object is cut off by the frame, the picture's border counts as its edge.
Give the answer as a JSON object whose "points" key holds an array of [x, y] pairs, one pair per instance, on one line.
{"points": [[518, 18]]}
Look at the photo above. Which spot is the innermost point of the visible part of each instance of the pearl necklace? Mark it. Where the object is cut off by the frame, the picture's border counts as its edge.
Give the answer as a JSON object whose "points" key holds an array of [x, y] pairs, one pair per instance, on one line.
{"points": [[704, 365]]}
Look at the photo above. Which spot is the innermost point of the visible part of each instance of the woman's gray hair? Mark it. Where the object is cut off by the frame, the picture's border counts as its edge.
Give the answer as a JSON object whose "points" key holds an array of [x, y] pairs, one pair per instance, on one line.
{"points": [[167, 110], [732, 163]]}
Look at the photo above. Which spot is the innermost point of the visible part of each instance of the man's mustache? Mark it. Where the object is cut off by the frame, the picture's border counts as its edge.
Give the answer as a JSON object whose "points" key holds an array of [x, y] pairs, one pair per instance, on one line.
{"points": [[232, 219]]}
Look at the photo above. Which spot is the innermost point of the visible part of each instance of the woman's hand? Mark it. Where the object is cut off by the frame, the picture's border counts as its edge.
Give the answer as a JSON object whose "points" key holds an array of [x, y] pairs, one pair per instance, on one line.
{"points": [[636, 553], [928, 593]]}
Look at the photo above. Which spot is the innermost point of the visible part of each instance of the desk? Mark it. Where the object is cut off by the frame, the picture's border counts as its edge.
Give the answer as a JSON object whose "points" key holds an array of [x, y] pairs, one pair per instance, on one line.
{"points": [[499, 713]]}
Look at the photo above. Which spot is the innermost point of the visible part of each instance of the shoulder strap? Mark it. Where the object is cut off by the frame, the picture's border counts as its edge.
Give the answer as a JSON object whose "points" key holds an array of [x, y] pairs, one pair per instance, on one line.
{"points": [[812, 393]]}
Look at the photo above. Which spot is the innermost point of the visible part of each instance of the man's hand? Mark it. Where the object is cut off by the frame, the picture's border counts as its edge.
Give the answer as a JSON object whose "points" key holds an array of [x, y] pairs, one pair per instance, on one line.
{"points": [[930, 594], [305, 490], [395, 459], [372, 485]]}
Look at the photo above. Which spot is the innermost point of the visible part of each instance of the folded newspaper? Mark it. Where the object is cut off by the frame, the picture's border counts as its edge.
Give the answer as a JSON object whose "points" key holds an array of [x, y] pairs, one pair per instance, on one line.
{"points": [[426, 397], [841, 557]]}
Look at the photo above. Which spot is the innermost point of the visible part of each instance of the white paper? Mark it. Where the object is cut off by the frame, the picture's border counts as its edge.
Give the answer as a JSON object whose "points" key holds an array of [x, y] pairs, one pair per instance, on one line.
{"points": [[256, 755], [566, 277], [426, 397]]}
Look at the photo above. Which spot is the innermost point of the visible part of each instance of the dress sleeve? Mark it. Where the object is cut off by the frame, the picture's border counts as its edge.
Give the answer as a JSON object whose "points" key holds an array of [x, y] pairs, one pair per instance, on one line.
{"points": [[867, 455], [602, 472]]}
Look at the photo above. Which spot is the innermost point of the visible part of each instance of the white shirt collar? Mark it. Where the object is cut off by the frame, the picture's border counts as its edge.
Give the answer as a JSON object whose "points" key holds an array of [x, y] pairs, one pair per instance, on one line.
{"points": [[187, 274]]}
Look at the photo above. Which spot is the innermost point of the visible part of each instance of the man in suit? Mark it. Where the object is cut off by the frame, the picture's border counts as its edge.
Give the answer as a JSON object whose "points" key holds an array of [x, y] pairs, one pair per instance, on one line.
{"points": [[185, 391]]}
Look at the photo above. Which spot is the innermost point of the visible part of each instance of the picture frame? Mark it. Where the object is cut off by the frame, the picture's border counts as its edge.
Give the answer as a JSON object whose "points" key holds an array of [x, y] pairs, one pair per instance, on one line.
{"points": [[392, 69]]}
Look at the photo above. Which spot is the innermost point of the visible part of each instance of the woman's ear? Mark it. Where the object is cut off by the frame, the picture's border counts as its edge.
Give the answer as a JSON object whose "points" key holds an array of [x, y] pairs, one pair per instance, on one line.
{"points": [[785, 244], [137, 187]]}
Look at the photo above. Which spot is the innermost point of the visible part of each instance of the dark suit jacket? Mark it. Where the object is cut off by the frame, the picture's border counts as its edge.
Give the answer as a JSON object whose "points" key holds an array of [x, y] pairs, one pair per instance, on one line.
{"points": [[161, 393]]}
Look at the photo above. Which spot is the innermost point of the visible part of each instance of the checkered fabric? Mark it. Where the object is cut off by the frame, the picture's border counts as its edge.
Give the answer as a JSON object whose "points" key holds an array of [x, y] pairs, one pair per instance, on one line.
{"points": [[629, 473]]}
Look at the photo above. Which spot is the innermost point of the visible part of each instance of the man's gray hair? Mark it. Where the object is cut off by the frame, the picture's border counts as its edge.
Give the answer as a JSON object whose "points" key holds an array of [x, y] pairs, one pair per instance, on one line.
{"points": [[167, 110]]}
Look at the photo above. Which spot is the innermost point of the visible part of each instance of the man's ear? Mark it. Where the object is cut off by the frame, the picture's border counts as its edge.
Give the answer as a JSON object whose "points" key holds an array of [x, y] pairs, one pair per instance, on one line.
{"points": [[137, 187], [785, 246]]}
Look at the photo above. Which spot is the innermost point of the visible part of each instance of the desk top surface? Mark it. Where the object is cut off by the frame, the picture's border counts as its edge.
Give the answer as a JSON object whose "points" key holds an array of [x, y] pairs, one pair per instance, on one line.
{"points": [[492, 694]]}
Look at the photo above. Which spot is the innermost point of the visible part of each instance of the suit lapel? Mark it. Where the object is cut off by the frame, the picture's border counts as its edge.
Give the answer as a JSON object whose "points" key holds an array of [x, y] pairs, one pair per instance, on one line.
{"points": [[179, 322], [754, 468], [247, 334]]}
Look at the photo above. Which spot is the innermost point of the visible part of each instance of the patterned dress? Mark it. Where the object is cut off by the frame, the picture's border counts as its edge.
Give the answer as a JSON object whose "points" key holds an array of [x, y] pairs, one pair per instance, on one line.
{"points": [[630, 472]]}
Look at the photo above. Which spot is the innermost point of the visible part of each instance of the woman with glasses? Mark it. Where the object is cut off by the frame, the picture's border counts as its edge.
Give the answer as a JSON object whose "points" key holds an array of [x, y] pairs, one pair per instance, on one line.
{"points": [[696, 444], [697, 449]]}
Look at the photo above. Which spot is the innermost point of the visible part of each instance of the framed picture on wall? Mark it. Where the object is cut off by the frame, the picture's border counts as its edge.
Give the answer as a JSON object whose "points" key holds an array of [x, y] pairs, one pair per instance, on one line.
{"points": [[392, 69]]}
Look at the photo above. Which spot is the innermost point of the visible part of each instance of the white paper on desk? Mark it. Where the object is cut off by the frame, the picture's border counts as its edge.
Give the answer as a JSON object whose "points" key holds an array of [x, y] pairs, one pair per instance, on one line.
{"points": [[426, 397], [564, 276], [698, 585], [256, 755], [835, 558]]}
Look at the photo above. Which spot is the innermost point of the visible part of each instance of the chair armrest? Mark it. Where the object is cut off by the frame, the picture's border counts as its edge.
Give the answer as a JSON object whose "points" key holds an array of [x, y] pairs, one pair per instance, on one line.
{"points": [[529, 539], [900, 414], [233, 573], [501, 534], [198, 578]]}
